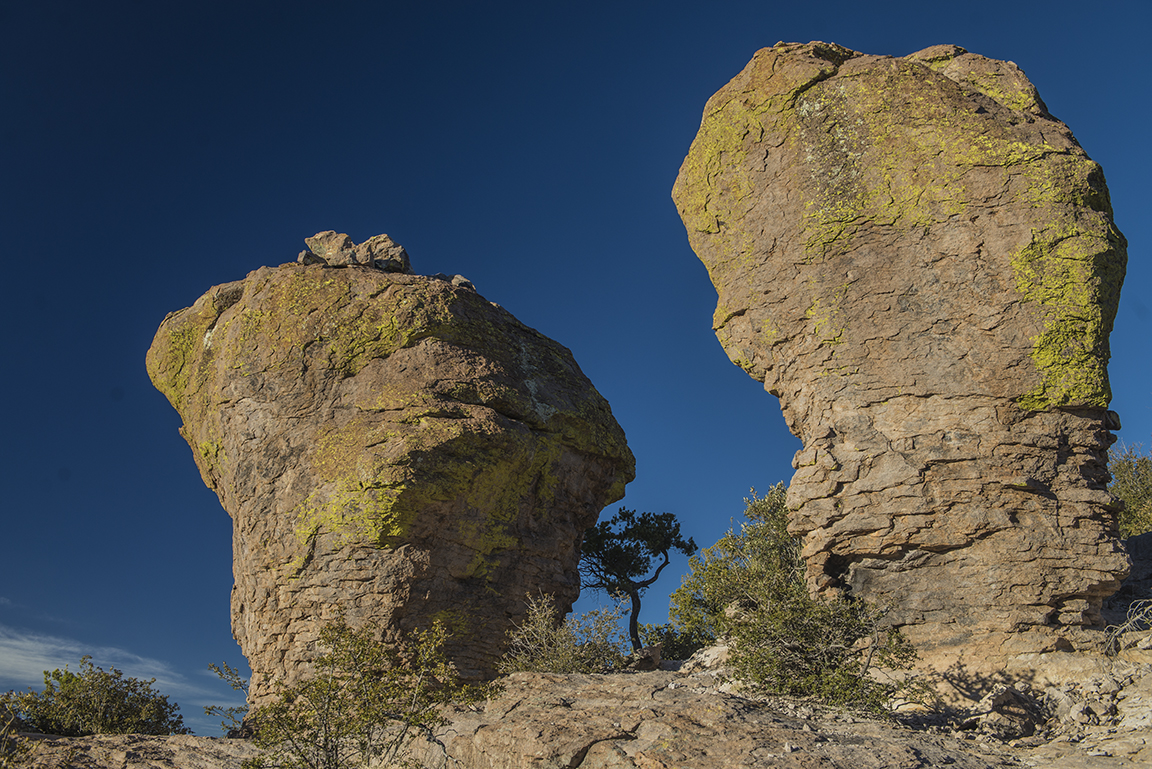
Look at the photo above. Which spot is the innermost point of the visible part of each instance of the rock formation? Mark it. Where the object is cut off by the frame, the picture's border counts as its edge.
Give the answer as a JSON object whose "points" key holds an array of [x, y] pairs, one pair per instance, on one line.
{"points": [[390, 446], [920, 263]]}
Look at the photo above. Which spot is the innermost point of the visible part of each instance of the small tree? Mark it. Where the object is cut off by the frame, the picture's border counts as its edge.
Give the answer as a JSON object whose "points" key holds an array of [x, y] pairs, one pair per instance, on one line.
{"points": [[616, 554], [93, 701], [675, 643], [1132, 482], [363, 706]]}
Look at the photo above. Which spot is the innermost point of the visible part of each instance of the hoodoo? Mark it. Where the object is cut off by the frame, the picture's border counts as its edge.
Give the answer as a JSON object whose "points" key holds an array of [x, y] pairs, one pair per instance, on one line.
{"points": [[391, 447], [920, 262]]}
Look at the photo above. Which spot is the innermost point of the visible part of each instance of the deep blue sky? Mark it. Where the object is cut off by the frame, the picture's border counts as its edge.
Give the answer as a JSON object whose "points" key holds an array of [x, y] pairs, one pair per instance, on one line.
{"points": [[151, 150]]}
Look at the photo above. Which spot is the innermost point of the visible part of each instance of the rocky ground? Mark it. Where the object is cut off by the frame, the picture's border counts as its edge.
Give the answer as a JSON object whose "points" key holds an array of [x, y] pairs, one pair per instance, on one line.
{"points": [[131, 751], [693, 718]]}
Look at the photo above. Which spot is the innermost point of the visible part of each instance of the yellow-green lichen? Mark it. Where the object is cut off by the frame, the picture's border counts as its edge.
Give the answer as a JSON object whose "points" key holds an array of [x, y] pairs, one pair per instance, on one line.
{"points": [[827, 320], [356, 501], [1071, 275], [458, 623], [1071, 268], [501, 490], [881, 149], [443, 460], [893, 148], [175, 357], [305, 314], [211, 456], [460, 448], [914, 176], [718, 186]]}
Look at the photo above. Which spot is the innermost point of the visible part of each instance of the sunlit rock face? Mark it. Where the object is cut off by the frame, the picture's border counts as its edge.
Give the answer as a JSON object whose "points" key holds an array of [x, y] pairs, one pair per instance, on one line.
{"points": [[921, 263], [391, 447]]}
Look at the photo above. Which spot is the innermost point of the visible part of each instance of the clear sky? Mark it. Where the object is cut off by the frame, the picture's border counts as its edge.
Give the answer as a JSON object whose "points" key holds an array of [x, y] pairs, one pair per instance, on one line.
{"points": [[151, 150]]}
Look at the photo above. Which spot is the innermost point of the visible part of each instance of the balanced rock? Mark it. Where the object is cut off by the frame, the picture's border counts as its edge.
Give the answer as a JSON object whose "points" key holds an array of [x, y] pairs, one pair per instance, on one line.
{"points": [[336, 249], [391, 447], [921, 264]]}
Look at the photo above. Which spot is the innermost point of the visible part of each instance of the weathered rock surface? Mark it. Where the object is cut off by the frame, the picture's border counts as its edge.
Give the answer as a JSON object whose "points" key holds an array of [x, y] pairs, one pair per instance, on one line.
{"points": [[660, 720], [664, 720], [336, 249], [691, 719], [921, 263], [135, 751], [390, 446]]}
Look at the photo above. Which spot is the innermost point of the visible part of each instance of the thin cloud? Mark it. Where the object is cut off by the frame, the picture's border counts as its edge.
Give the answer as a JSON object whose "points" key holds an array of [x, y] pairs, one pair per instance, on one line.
{"points": [[25, 655]]}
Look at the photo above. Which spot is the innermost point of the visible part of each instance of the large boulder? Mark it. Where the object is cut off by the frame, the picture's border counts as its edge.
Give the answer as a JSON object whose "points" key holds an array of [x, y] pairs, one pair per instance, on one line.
{"points": [[921, 264], [391, 447]]}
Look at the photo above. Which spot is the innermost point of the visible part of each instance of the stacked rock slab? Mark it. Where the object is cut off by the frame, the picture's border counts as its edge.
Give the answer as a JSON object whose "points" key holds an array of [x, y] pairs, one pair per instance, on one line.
{"points": [[391, 447], [920, 263]]}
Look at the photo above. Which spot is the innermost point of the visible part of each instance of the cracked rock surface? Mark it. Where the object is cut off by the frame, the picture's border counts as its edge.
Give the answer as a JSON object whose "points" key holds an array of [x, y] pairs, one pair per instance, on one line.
{"points": [[135, 751], [920, 262], [391, 447], [667, 720], [661, 720]]}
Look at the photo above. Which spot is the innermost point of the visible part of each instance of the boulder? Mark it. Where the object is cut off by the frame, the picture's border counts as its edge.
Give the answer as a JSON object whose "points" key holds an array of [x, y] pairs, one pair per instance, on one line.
{"points": [[920, 262], [391, 448], [336, 249]]}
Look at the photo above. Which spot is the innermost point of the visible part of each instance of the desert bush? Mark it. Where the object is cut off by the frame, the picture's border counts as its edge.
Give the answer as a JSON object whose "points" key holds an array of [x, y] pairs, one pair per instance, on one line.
{"points": [[363, 706], [1137, 620], [93, 701], [749, 587], [13, 750], [232, 718], [590, 643], [762, 555], [1132, 482], [675, 644]]}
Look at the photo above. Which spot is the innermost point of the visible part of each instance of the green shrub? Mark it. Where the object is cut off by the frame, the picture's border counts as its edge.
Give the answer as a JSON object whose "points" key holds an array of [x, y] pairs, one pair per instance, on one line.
{"points": [[675, 644], [723, 578], [749, 587], [364, 705], [13, 750], [591, 643], [1132, 482], [93, 701], [232, 718]]}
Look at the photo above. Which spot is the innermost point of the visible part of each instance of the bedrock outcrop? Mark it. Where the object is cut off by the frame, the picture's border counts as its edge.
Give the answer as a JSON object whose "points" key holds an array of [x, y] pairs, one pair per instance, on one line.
{"points": [[920, 262], [391, 447]]}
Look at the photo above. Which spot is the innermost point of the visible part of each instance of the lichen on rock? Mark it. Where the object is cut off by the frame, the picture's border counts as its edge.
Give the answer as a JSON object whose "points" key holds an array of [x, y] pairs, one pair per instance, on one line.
{"points": [[921, 263], [390, 447]]}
